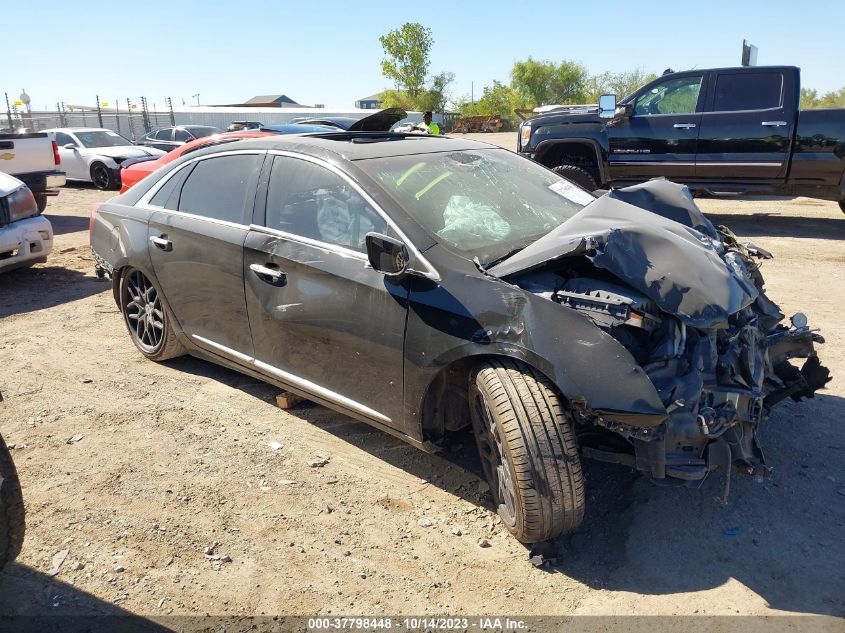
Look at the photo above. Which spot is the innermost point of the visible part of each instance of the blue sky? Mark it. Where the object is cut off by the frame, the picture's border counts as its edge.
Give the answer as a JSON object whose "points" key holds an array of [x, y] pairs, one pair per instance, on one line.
{"points": [[328, 52]]}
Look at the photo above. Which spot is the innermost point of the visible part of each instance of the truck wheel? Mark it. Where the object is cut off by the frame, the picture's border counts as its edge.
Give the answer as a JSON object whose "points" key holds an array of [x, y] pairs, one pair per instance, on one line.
{"points": [[842, 205], [579, 176], [528, 450], [12, 524], [147, 318], [102, 177], [41, 201]]}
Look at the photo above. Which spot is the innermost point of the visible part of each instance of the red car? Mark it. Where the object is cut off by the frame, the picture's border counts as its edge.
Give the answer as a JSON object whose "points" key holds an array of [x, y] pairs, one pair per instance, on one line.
{"points": [[134, 173]]}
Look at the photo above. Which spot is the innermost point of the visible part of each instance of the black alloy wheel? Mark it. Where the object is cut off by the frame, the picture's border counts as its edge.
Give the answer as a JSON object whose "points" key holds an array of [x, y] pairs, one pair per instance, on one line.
{"points": [[143, 311]]}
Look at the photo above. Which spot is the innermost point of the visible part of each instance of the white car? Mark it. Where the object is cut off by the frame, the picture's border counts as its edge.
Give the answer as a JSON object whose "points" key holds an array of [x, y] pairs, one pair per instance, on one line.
{"points": [[26, 237], [95, 154]]}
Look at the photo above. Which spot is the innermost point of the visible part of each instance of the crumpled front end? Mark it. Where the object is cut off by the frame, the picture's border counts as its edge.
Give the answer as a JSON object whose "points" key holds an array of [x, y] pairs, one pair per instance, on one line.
{"points": [[686, 299]]}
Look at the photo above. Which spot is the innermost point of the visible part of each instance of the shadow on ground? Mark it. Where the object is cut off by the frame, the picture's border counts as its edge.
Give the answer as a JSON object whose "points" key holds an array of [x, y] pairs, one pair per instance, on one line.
{"points": [[63, 224], [781, 538], [54, 285], [32, 602], [776, 225]]}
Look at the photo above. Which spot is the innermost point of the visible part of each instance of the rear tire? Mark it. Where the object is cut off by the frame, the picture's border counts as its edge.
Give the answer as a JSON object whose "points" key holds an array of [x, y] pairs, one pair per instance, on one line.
{"points": [[12, 519], [41, 201], [579, 176], [528, 450], [842, 205], [147, 317]]}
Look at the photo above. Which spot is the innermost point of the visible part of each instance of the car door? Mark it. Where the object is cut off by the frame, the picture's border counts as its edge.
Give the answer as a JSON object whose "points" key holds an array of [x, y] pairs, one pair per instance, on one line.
{"points": [[747, 127], [322, 320], [196, 235], [162, 139], [181, 136], [660, 136], [73, 163]]}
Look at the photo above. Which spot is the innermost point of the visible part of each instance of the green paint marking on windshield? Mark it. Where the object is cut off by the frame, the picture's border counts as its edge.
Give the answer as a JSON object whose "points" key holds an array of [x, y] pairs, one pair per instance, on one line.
{"points": [[412, 170], [423, 191]]}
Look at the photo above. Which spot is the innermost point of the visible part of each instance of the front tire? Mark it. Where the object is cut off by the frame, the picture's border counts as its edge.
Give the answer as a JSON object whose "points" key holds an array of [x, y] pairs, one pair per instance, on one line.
{"points": [[579, 176], [147, 318], [103, 177], [12, 519], [528, 450]]}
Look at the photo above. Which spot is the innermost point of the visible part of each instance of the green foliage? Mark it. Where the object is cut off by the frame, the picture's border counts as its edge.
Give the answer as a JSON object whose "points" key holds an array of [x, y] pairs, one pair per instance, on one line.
{"points": [[810, 99], [619, 84], [544, 82], [407, 49], [498, 99]]}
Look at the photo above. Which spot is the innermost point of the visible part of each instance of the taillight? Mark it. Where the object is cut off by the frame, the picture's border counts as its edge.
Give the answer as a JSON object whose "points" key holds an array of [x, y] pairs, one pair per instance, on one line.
{"points": [[56, 158], [94, 210]]}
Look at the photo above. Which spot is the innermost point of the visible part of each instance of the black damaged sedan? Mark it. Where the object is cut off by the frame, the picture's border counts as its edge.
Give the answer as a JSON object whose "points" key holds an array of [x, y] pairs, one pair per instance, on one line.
{"points": [[424, 284]]}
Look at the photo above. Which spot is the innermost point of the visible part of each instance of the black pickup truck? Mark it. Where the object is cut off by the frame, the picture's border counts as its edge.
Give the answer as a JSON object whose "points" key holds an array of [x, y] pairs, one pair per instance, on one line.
{"points": [[720, 130]]}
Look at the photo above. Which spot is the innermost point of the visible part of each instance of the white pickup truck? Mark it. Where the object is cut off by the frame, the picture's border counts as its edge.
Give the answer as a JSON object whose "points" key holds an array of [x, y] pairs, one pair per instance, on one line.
{"points": [[34, 159], [26, 236]]}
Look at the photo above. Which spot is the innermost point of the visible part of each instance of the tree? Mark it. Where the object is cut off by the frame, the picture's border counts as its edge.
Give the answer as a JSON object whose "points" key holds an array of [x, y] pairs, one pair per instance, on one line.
{"points": [[545, 83], [619, 84], [407, 50], [499, 99], [810, 99]]}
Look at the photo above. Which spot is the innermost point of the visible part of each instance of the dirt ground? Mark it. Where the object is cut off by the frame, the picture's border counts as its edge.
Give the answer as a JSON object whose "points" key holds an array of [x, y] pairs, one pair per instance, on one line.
{"points": [[135, 468]]}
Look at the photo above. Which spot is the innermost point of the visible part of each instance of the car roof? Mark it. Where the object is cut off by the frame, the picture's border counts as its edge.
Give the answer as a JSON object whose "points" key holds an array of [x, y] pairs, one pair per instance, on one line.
{"points": [[362, 145]]}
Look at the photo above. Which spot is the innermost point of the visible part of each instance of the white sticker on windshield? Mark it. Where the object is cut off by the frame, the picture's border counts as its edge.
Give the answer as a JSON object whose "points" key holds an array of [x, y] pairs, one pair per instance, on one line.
{"points": [[571, 192]]}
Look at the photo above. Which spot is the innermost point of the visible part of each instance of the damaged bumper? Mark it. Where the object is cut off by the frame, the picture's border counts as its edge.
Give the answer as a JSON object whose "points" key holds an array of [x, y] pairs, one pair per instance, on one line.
{"points": [[25, 242]]}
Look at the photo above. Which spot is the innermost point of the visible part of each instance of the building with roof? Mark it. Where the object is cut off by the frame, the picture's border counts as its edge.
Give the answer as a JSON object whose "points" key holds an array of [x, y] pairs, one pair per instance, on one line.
{"points": [[268, 101], [373, 102]]}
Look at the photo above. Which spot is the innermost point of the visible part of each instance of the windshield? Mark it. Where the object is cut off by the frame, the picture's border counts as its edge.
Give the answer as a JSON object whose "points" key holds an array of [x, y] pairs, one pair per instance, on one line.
{"points": [[480, 203], [101, 138]]}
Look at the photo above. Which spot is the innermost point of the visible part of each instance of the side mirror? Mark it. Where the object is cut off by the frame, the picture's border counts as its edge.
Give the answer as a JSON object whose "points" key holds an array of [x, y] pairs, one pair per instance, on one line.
{"points": [[69, 145], [607, 106], [387, 255]]}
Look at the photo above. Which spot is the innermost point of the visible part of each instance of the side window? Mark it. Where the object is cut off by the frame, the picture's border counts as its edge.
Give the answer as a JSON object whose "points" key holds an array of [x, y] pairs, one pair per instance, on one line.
{"points": [[748, 91], [310, 201], [63, 139], [673, 96], [222, 188], [182, 135], [168, 196], [164, 135]]}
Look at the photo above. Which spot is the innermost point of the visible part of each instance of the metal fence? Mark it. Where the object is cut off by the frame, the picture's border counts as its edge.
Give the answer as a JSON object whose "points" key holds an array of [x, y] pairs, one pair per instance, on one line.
{"points": [[135, 118]]}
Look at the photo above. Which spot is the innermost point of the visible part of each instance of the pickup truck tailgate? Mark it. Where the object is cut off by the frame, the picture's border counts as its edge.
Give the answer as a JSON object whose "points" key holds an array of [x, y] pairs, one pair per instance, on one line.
{"points": [[26, 153]]}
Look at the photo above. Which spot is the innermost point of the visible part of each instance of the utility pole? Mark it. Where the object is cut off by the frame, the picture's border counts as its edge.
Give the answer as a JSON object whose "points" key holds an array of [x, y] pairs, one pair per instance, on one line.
{"points": [[99, 112], [197, 97]]}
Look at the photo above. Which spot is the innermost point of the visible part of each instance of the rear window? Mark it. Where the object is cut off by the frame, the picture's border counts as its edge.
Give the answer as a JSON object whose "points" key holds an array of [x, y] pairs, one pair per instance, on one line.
{"points": [[748, 91], [222, 188]]}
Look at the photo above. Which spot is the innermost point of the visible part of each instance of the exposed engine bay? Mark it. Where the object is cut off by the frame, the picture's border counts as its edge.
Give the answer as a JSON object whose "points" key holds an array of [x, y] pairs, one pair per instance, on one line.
{"points": [[686, 299]]}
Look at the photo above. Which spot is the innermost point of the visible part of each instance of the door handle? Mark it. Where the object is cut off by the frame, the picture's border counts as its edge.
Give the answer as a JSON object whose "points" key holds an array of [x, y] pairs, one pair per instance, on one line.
{"points": [[270, 275], [162, 243], [773, 123], [684, 126]]}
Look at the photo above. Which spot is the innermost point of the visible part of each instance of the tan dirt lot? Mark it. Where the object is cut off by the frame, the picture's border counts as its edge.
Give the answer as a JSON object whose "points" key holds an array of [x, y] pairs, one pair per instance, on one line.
{"points": [[176, 457]]}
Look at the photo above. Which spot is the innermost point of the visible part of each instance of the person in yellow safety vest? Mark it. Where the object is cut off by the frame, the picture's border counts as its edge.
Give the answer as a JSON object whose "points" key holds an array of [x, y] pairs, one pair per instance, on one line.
{"points": [[431, 126]]}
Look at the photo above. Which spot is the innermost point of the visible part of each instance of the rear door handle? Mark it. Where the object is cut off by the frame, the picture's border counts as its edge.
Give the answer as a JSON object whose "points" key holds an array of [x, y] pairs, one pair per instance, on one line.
{"points": [[684, 126], [773, 123], [269, 275], [162, 243]]}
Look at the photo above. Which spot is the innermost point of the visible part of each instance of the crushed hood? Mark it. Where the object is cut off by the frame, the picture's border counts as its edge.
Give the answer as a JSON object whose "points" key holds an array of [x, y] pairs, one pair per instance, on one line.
{"points": [[653, 237], [381, 121]]}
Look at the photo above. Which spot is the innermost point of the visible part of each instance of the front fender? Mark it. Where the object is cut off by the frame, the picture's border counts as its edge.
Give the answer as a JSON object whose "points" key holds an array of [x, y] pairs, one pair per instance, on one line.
{"points": [[585, 363]]}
